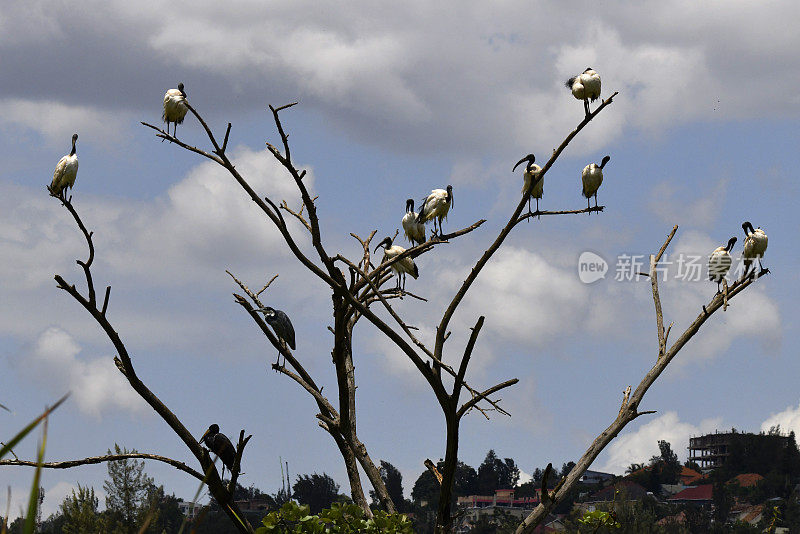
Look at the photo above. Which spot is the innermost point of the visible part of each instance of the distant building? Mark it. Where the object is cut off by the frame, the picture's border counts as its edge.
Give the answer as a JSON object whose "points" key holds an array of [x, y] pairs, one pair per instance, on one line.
{"points": [[712, 450], [476, 506], [697, 495], [190, 509], [624, 490], [596, 477]]}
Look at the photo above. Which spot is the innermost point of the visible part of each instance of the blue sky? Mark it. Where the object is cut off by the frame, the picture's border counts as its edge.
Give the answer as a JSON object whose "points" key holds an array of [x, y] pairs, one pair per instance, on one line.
{"points": [[395, 99]]}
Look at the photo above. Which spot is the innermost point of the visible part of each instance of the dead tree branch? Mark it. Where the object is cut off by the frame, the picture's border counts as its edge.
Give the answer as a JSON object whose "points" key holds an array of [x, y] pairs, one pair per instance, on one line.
{"points": [[630, 410], [67, 464]]}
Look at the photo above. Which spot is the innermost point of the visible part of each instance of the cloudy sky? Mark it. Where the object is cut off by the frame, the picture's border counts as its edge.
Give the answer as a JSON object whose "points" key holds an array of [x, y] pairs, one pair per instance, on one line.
{"points": [[395, 99]]}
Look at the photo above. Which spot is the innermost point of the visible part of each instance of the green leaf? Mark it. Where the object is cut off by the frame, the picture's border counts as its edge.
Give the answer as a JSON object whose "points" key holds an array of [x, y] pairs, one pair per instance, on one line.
{"points": [[28, 429], [33, 502]]}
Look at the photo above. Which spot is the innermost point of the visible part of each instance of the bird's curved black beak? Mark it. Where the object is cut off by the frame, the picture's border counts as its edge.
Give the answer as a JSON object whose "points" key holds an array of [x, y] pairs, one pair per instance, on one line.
{"points": [[203, 436], [520, 161]]}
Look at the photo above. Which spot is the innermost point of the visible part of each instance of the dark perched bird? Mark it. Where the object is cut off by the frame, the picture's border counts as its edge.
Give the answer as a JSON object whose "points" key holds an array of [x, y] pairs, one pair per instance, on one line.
{"points": [[720, 262], [220, 445], [174, 107], [66, 171], [281, 325]]}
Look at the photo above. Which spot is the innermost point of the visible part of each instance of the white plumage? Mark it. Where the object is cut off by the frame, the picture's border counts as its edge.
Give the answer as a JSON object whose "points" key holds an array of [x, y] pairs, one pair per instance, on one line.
{"points": [[719, 263], [592, 178], [66, 171], [402, 267], [585, 86], [531, 174], [414, 231], [174, 107], [435, 207], [755, 245]]}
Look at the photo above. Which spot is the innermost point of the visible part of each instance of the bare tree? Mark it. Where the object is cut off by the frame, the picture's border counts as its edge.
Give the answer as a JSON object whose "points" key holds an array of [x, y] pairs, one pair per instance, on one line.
{"points": [[356, 288]]}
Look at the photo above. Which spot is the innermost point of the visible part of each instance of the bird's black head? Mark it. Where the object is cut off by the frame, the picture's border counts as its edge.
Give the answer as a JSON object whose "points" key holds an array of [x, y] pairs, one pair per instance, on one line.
{"points": [[409, 205], [530, 158], [212, 430], [180, 88], [386, 243], [74, 137], [606, 159], [450, 195], [267, 311], [731, 242], [588, 69], [747, 226]]}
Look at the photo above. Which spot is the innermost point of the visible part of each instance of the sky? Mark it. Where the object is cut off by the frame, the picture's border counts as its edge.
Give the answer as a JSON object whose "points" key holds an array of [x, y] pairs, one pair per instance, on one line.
{"points": [[395, 99]]}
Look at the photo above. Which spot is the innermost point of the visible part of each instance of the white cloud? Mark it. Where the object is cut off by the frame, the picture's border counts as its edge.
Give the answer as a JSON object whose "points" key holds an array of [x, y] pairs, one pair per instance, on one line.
{"points": [[667, 200], [640, 445], [96, 384], [788, 419], [57, 121], [493, 83]]}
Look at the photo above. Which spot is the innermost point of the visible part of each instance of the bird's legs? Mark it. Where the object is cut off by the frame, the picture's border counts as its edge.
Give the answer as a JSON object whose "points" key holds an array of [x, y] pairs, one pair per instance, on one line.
{"points": [[537, 209], [586, 106]]}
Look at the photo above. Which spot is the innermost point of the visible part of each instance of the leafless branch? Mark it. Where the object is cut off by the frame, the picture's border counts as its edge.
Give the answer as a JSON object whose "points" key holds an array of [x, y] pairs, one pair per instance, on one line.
{"points": [[67, 464], [630, 411], [537, 213]]}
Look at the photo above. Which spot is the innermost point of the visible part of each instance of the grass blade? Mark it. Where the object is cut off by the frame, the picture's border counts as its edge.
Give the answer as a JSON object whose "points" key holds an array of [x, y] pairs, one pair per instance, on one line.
{"points": [[28, 429], [4, 526], [33, 502]]}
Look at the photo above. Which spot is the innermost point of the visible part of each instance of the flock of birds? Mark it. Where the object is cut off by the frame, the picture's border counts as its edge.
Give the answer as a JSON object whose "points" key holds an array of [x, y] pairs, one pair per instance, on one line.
{"points": [[755, 245], [434, 207]]}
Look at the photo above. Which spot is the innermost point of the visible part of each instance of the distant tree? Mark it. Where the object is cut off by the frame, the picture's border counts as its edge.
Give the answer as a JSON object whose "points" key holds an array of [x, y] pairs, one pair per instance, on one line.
{"points": [[495, 473], [692, 465], [163, 510], [317, 491], [566, 468], [670, 466], [127, 490], [631, 469], [80, 512], [393, 480]]}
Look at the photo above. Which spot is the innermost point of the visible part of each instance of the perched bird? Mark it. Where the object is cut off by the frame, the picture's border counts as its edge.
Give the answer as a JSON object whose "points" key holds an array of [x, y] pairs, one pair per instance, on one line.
{"points": [[220, 445], [414, 230], [719, 263], [402, 267], [66, 171], [281, 325], [755, 244], [585, 86], [592, 177], [435, 207], [531, 174], [174, 107]]}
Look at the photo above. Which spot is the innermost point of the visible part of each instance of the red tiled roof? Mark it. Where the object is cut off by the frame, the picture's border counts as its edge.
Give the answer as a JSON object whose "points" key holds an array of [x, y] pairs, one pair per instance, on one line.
{"points": [[694, 493], [689, 476], [746, 480]]}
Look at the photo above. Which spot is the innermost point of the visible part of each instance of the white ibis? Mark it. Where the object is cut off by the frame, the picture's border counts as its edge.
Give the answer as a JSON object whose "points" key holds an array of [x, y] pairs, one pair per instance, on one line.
{"points": [[174, 107], [755, 244], [719, 263], [402, 267], [414, 230], [531, 175], [592, 178], [435, 207], [66, 171], [585, 86]]}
